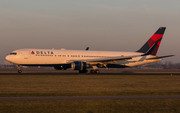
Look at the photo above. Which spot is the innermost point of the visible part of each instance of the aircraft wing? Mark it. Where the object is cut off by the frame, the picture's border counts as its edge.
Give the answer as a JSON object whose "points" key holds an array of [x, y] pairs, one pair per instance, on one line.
{"points": [[110, 59], [117, 59]]}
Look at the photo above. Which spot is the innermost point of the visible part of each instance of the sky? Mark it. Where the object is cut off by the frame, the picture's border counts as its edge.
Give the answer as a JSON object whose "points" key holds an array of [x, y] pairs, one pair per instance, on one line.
{"points": [[103, 25]]}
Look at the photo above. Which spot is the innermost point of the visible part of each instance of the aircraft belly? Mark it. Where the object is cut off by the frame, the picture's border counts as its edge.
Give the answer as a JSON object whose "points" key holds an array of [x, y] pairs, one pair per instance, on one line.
{"points": [[41, 60]]}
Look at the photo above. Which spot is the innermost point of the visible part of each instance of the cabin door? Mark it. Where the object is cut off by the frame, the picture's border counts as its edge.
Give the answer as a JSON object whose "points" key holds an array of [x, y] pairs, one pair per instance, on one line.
{"points": [[26, 54]]}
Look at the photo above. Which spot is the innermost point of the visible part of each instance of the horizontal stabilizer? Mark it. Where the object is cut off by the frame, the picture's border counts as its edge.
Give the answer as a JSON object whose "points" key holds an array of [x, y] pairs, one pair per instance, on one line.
{"points": [[160, 57]]}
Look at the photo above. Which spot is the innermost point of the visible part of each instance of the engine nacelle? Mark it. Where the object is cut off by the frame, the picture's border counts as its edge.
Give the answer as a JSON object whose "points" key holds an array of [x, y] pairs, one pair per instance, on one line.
{"points": [[78, 65]]}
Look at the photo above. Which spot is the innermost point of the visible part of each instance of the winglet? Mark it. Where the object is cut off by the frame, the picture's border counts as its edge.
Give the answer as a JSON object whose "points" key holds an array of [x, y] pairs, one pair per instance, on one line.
{"points": [[87, 48]]}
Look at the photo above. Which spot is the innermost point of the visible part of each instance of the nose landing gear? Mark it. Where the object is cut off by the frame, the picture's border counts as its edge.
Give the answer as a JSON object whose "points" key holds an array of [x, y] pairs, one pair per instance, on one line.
{"points": [[19, 68], [19, 71]]}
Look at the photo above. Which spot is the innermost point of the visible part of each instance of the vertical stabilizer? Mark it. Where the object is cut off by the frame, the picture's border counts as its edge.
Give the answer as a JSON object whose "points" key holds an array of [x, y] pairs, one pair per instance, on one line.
{"points": [[152, 45]]}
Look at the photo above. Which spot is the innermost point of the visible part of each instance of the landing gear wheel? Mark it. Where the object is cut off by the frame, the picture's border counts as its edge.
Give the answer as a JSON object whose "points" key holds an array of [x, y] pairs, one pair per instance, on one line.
{"points": [[19, 68], [97, 71], [19, 71], [92, 71]]}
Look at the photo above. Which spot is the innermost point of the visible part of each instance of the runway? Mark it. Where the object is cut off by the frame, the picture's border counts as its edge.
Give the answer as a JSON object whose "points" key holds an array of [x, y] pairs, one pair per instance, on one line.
{"points": [[61, 73], [89, 97]]}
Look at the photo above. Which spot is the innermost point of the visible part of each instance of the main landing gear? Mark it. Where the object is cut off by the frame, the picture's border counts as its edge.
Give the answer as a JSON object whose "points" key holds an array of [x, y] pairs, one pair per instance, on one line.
{"points": [[19, 69], [92, 71], [95, 71]]}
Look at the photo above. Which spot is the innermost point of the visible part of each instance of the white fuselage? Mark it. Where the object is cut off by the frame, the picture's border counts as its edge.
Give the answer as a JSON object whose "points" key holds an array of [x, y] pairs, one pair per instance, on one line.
{"points": [[52, 57]]}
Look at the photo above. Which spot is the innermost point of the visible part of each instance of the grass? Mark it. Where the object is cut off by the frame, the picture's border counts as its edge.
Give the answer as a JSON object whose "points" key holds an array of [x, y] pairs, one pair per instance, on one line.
{"points": [[88, 85], [92, 106]]}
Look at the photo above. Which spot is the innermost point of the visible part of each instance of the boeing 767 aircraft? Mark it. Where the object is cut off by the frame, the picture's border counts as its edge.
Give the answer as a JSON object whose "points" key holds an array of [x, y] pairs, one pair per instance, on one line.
{"points": [[82, 60]]}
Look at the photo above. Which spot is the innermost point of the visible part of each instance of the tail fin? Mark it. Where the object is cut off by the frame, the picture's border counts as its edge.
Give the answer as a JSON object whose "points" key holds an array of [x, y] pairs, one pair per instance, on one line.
{"points": [[152, 45]]}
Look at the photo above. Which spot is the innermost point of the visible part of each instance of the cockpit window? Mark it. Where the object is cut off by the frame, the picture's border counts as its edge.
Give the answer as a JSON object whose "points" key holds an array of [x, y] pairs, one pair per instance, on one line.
{"points": [[13, 53]]}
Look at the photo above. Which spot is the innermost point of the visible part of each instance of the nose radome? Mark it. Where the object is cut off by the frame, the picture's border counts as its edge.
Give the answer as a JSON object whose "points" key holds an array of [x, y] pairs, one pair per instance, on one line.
{"points": [[7, 58]]}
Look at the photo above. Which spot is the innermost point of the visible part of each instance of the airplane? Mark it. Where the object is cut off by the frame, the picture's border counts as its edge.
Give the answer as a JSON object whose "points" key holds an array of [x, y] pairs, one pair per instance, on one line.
{"points": [[82, 60]]}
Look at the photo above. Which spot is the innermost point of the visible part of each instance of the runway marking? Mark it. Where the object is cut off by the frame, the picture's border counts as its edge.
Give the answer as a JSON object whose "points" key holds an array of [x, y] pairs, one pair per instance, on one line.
{"points": [[89, 97]]}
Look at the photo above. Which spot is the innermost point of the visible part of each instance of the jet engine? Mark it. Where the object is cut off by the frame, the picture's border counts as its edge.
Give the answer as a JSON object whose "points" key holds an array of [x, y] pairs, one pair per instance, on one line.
{"points": [[78, 65]]}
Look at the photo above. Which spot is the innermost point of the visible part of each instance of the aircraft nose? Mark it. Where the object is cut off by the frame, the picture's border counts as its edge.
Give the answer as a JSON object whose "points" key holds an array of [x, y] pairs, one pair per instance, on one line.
{"points": [[7, 58]]}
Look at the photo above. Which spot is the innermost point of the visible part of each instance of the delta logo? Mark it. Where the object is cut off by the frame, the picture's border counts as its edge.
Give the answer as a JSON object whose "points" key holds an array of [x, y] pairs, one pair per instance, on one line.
{"points": [[32, 52], [42, 52]]}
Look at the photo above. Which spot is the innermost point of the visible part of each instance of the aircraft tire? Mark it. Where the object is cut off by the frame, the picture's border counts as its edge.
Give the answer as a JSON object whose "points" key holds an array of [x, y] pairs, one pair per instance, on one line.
{"points": [[19, 71], [97, 71], [92, 71]]}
